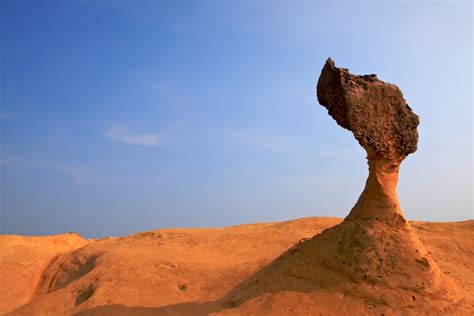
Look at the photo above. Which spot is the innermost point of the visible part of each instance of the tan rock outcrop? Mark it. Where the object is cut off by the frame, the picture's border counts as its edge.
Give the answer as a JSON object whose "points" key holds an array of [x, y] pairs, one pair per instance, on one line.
{"points": [[374, 253], [383, 123]]}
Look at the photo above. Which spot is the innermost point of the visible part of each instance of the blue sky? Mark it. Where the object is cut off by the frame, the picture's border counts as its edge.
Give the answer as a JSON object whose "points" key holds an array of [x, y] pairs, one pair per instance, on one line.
{"points": [[124, 116]]}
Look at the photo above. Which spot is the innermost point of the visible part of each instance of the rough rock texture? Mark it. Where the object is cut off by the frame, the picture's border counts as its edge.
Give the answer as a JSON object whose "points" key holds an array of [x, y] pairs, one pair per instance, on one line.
{"points": [[374, 111], [383, 123]]}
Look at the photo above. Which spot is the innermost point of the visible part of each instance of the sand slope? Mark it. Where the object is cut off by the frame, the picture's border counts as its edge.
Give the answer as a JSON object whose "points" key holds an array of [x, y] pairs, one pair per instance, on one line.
{"points": [[23, 259], [201, 271]]}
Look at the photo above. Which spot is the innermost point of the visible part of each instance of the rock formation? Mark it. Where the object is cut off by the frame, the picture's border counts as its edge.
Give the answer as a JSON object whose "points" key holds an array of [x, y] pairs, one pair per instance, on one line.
{"points": [[380, 243], [374, 253], [378, 116]]}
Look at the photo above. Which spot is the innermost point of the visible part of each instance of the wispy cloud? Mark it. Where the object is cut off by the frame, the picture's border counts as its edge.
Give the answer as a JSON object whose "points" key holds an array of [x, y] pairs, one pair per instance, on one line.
{"points": [[83, 175], [3, 115], [78, 173], [121, 134], [258, 139]]}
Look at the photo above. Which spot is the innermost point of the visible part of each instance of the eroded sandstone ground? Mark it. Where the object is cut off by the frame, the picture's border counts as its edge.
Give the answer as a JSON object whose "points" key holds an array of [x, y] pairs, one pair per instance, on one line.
{"points": [[192, 272]]}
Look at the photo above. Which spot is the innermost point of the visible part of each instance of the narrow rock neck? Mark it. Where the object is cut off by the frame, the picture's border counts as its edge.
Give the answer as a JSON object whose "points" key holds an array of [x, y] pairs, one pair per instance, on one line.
{"points": [[379, 199]]}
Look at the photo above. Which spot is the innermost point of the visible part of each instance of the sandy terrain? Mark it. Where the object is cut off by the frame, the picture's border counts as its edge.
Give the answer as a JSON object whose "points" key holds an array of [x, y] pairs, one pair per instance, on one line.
{"points": [[23, 259], [207, 271]]}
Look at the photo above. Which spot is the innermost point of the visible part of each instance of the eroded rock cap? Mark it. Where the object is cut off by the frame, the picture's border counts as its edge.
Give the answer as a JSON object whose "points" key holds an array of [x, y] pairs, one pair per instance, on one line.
{"points": [[373, 110]]}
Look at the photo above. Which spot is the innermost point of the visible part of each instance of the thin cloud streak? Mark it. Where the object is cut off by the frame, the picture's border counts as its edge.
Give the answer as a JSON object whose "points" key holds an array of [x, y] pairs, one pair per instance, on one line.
{"points": [[77, 173], [259, 140], [80, 174], [121, 134]]}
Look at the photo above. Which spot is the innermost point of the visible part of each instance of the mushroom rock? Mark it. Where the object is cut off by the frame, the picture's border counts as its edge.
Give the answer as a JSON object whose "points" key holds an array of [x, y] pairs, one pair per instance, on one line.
{"points": [[373, 253], [375, 242], [383, 123]]}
